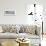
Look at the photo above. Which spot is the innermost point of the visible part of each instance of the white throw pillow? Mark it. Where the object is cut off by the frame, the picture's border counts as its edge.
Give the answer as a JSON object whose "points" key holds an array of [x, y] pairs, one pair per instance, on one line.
{"points": [[1, 30]]}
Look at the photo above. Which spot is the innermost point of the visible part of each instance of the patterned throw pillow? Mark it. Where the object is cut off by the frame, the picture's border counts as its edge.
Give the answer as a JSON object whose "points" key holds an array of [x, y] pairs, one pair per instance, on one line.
{"points": [[21, 29], [4, 27], [9, 28], [38, 30], [30, 29], [13, 29]]}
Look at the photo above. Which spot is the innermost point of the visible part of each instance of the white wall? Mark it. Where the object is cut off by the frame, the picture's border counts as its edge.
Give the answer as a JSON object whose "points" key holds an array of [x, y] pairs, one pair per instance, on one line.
{"points": [[19, 6]]}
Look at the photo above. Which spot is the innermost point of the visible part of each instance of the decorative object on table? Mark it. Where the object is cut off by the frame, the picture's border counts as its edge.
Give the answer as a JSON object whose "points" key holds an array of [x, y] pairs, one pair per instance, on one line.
{"points": [[25, 43]]}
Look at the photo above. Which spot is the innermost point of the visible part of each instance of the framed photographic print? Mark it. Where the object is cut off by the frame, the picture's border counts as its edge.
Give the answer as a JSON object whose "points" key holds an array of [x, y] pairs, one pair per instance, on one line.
{"points": [[10, 12]]}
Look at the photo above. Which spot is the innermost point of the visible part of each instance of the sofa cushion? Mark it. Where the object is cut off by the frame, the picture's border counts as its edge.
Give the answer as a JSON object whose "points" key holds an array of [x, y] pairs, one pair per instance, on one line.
{"points": [[1, 30], [9, 28], [30, 29]]}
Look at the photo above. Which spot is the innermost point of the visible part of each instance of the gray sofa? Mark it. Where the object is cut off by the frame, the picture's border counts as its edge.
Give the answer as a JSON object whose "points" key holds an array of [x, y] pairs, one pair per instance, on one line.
{"points": [[19, 30]]}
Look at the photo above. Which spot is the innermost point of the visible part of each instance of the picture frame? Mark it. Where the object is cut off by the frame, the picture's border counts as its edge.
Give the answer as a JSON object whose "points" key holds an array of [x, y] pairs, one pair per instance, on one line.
{"points": [[9, 13]]}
